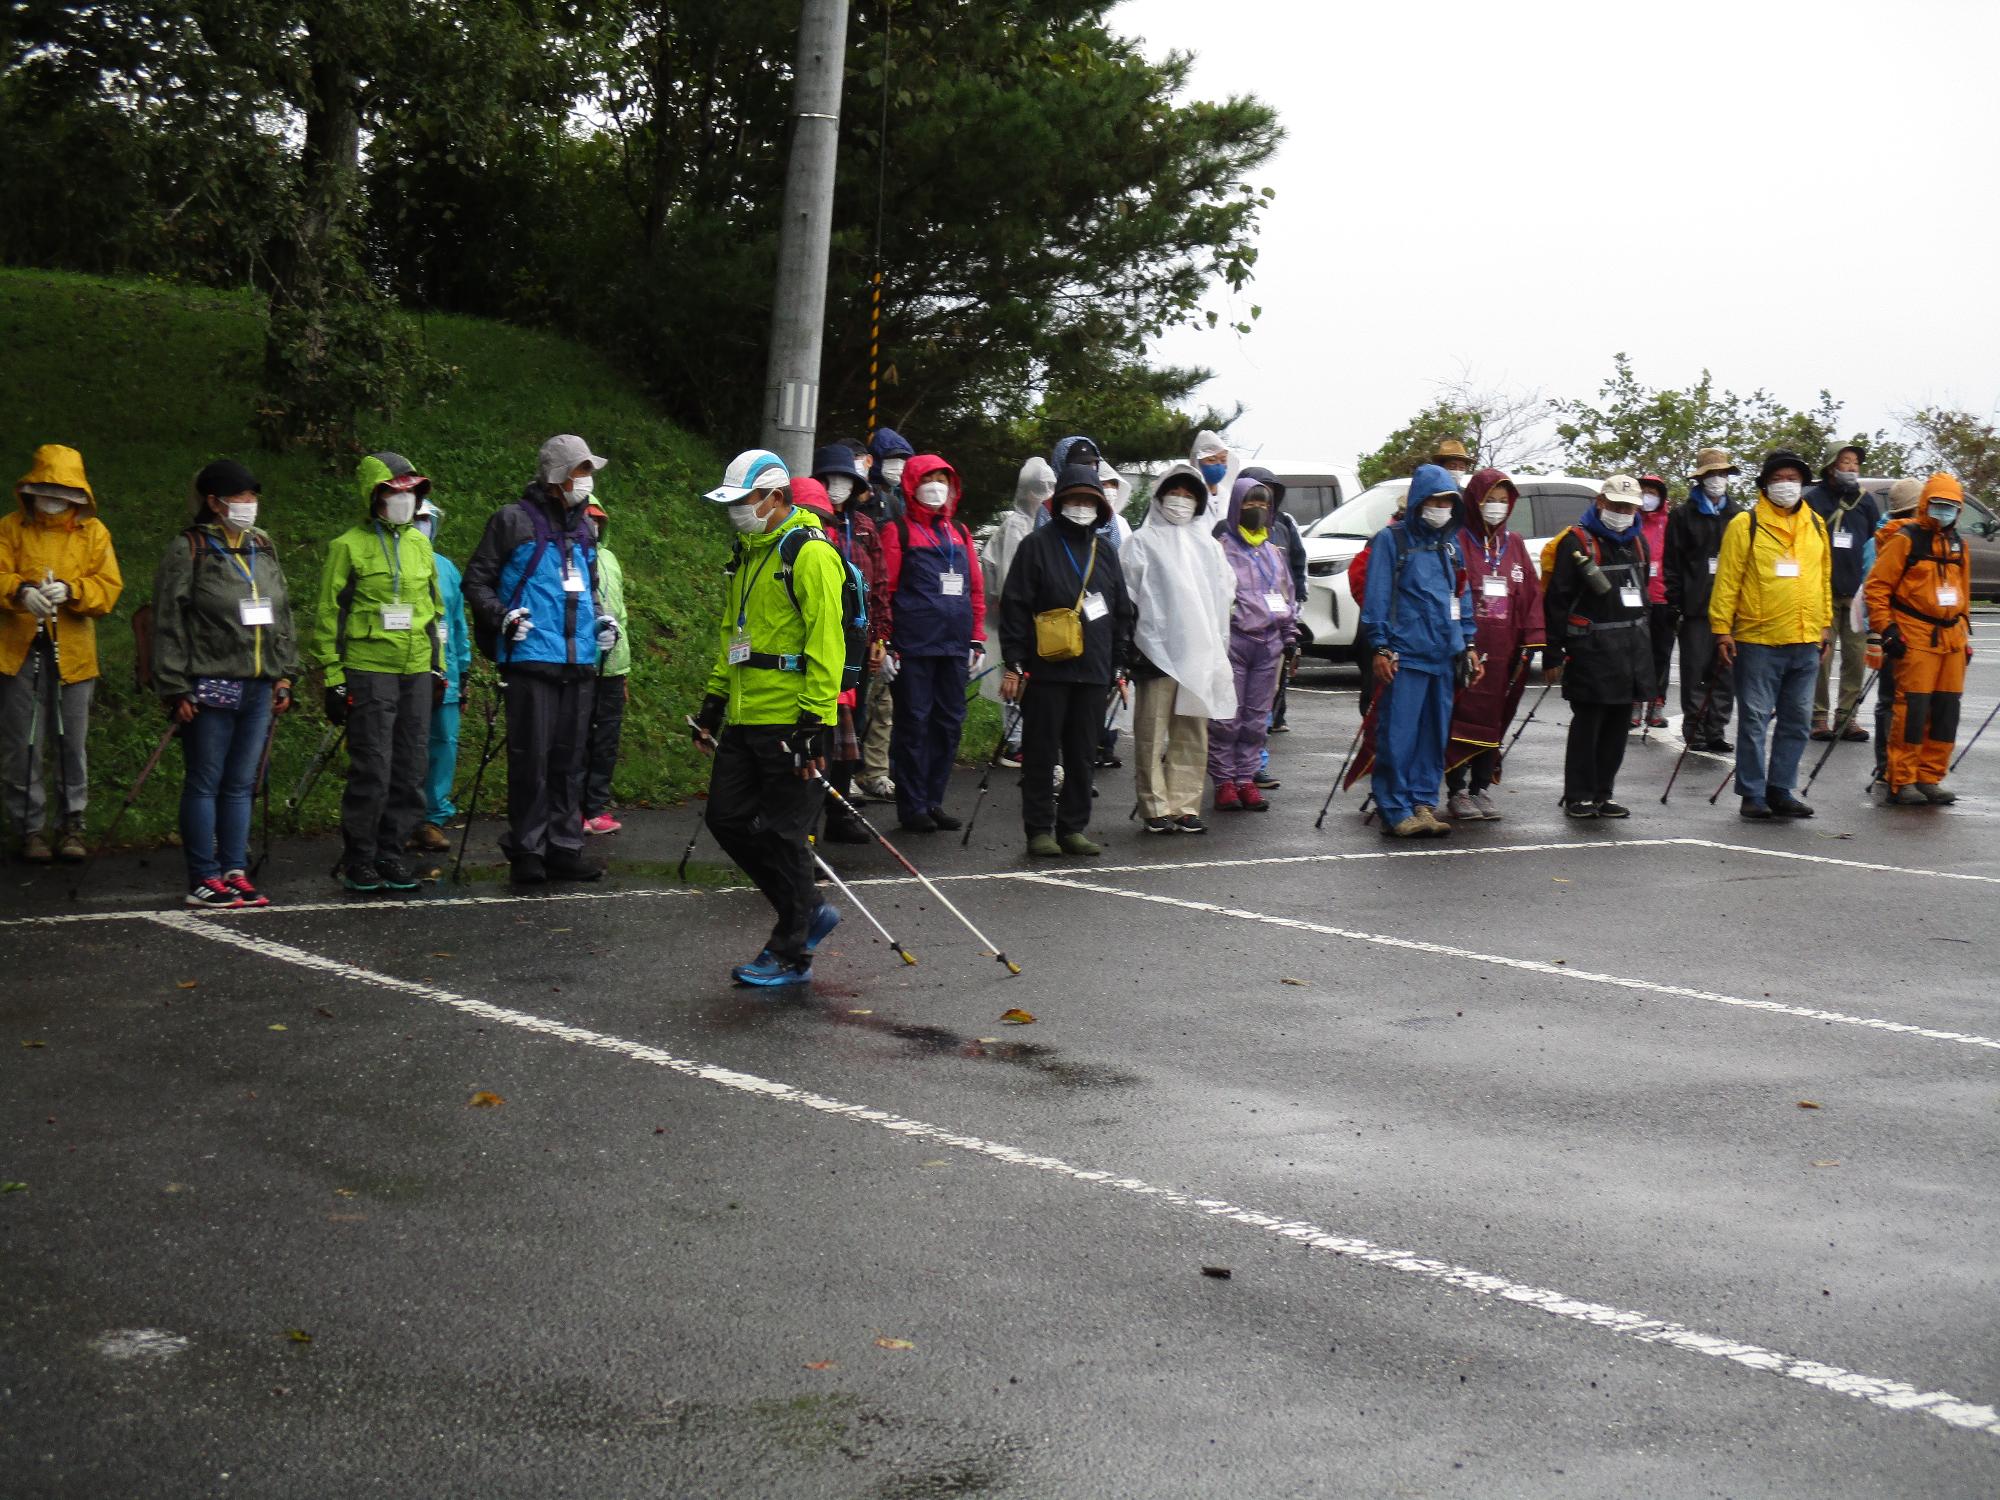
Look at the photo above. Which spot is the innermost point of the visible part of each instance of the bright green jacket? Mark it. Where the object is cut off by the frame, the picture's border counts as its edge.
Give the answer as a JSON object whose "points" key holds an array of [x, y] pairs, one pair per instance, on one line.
{"points": [[360, 580], [756, 601], [611, 600]]}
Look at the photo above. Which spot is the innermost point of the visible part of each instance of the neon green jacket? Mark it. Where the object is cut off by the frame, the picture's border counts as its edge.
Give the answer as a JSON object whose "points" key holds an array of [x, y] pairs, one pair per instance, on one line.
{"points": [[757, 603], [370, 568], [611, 599]]}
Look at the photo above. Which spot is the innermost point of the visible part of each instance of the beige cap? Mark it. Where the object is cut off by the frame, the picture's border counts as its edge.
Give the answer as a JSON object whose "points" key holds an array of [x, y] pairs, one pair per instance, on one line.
{"points": [[1903, 496], [1450, 448], [1714, 460], [1623, 488]]}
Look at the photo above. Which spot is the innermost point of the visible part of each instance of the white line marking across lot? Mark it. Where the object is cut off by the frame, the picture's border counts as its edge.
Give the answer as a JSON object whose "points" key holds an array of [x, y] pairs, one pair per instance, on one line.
{"points": [[1896, 1395], [1531, 965]]}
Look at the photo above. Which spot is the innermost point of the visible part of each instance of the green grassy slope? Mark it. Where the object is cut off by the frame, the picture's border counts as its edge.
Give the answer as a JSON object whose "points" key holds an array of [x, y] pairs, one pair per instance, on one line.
{"points": [[151, 381]]}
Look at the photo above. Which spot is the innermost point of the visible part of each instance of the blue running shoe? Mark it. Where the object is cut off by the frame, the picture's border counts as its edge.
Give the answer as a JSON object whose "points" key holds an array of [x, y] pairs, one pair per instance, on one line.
{"points": [[765, 963], [825, 918], [772, 973]]}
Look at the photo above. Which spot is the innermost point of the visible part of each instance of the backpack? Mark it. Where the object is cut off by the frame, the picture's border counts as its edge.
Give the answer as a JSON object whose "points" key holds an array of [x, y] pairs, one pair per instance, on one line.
{"points": [[487, 637], [142, 617], [853, 605]]}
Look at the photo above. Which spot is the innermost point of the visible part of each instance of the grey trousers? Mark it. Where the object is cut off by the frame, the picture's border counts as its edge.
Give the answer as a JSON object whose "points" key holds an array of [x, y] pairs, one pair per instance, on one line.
{"points": [[1853, 648], [388, 756], [26, 734], [881, 720], [548, 752]]}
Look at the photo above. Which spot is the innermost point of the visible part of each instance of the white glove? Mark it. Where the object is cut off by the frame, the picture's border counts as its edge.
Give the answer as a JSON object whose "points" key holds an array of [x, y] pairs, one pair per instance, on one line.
{"points": [[35, 602], [975, 656], [516, 625], [607, 632], [55, 591], [891, 665]]}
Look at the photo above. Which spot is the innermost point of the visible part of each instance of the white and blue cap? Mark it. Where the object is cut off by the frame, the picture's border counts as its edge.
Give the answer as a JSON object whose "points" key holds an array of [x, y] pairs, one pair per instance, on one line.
{"points": [[758, 469]]}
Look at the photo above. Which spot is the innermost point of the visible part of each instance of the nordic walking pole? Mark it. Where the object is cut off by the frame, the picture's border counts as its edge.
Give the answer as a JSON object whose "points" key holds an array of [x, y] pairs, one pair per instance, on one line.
{"points": [[986, 776], [1341, 775], [848, 891], [61, 778], [1712, 796], [478, 776], [264, 787], [687, 854], [1968, 744], [897, 854], [329, 741], [1700, 717], [1846, 721], [1534, 709], [173, 728]]}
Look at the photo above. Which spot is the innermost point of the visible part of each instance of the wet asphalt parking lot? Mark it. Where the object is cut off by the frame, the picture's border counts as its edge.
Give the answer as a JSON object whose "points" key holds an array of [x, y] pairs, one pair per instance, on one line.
{"points": [[1503, 1142]]}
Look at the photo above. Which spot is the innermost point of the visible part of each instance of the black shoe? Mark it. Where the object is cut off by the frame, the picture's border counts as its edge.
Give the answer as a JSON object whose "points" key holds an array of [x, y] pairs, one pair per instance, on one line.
{"points": [[569, 864], [921, 822], [360, 875], [1189, 823], [1107, 762], [945, 821], [1162, 825], [1266, 782], [1754, 809], [1785, 805], [1720, 747], [527, 869], [396, 876], [1579, 809], [1609, 809], [845, 831]]}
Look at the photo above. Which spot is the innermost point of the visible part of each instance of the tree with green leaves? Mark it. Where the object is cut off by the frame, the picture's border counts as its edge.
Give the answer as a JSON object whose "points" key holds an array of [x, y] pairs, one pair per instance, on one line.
{"points": [[1960, 443]]}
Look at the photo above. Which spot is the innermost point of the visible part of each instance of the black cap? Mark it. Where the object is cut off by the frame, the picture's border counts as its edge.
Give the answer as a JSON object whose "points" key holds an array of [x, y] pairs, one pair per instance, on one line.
{"points": [[1784, 458], [226, 477]]}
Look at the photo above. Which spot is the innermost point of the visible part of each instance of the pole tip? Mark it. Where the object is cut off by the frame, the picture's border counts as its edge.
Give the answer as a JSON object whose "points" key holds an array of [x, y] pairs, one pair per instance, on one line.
{"points": [[1012, 967], [908, 957]]}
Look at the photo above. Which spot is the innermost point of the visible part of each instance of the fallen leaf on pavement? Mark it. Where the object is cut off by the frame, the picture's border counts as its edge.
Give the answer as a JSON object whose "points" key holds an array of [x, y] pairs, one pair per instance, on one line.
{"points": [[986, 1041], [347, 1218], [344, 1192], [861, 1012], [35, 1043], [183, 984], [821, 1364], [321, 1010], [279, 1026], [486, 1099], [1807, 1104], [13, 1187], [298, 1336], [894, 1344], [1559, 880], [176, 1187], [440, 955], [1018, 1017], [1299, 982], [1826, 1163]]}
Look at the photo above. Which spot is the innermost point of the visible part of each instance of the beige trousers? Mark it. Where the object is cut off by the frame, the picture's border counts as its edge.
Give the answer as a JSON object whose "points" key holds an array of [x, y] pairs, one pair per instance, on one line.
{"points": [[881, 718], [1170, 752]]}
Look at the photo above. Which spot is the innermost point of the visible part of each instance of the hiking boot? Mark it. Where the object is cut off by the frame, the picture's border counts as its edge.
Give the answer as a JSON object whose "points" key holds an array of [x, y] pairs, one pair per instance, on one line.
{"points": [[1609, 809], [1189, 823], [1855, 733], [35, 849], [1250, 799], [1266, 780], [1227, 798], [527, 869], [1438, 826], [569, 864], [602, 823], [1412, 827], [1932, 792], [246, 893], [395, 875], [1821, 730], [1785, 805], [1909, 796], [1162, 825], [1486, 808], [825, 917], [1076, 843], [945, 821], [1044, 846], [1754, 809], [214, 894], [359, 874], [1718, 746], [429, 839], [1460, 807], [843, 829], [1579, 809], [920, 822], [70, 846]]}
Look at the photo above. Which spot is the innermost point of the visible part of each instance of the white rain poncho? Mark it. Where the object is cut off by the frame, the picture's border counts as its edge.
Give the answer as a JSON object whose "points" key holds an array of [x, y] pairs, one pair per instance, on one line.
{"points": [[1031, 491], [1183, 587]]}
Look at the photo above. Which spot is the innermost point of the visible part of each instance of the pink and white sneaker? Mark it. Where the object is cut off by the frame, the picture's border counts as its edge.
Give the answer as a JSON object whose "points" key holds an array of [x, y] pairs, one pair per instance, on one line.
{"points": [[247, 894], [214, 894], [602, 823]]}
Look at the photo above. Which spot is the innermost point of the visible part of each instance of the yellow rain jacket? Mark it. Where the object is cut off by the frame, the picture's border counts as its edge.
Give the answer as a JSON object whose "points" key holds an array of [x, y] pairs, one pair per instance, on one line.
{"points": [[73, 547], [1763, 600]]}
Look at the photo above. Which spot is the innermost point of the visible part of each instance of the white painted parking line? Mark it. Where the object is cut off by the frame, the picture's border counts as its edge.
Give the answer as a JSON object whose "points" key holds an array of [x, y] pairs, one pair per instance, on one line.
{"points": [[1530, 965], [1895, 1395]]}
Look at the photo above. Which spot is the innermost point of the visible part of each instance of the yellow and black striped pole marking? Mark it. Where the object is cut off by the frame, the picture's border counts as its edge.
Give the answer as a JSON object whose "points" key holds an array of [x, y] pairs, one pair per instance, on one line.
{"points": [[874, 346]]}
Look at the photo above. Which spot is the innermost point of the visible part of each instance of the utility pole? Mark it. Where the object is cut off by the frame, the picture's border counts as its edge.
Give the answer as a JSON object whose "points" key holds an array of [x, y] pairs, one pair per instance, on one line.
{"points": [[805, 236]]}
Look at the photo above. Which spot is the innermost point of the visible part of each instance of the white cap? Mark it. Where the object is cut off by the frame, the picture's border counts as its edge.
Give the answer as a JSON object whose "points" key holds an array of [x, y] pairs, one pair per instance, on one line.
{"points": [[749, 472], [560, 456], [1623, 488]]}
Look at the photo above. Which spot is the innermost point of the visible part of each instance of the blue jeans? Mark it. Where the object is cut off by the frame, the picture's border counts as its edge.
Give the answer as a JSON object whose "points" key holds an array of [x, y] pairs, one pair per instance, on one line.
{"points": [[222, 748], [438, 807], [1773, 680]]}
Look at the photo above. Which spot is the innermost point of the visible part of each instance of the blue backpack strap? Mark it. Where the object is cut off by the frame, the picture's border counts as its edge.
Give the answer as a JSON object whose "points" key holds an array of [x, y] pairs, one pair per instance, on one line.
{"points": [[544, 536]]}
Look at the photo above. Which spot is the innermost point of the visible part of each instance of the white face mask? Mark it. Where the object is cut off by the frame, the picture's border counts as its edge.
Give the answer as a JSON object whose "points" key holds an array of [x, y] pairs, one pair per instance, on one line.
{"points": [[50, 505], [579, 489], [747, 514], [1495, 511], [1437, 516], [839, 488], [1650, 504], [892, 470], [932, 494], [1618, 520], [1715, 486], [1082, 515], [429, 527], [242, 514], [399, 507], [1784, 493], [1178, 509]]}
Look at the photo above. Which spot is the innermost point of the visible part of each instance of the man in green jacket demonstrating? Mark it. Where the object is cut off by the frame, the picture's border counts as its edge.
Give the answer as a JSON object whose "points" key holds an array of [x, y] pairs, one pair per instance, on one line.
{"points": [[378, 635], [776, 682]]}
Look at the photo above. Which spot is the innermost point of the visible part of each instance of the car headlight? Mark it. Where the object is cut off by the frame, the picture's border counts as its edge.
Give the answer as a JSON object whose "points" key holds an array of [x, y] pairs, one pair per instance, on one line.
{"points": [[1327, 567]]}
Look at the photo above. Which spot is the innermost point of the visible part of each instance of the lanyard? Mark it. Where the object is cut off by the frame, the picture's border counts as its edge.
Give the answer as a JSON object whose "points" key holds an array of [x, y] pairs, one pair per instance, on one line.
{"points": [[743, 599], [248, 570], [950, 548], [1080, 576], [393, 556], [1496, 548], [1267, 572]]}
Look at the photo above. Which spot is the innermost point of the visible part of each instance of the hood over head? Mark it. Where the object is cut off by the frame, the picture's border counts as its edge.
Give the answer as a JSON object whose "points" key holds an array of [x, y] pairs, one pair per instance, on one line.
{"points": [[1476, 490], [1033, 486], [1940, 486], [392, 469], [1190, 482], [1270, 482], [811, 494], [1240, 491], [1078, 480], [921, 467], [1206, 445], [56, 472], [1428, 480], [888, 443], [1075, 450], [1659, 485]]}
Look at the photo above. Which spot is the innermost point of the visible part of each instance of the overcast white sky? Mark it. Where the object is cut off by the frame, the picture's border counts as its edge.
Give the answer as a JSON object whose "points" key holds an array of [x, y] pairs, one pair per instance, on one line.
{"points": [[1794, 195]]}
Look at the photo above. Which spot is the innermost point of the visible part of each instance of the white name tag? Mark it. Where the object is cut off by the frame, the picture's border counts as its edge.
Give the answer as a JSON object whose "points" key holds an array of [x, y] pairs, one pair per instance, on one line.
{"points": [[256, 612], [1788, 567], [1628, 595], [739, 650], [1493, 586], [572, 583], [1652, 570], [1712, 562], [397, 616], [1094, 607], [953, 584], [1844, 540], [1948, 597], [1277, 603]]}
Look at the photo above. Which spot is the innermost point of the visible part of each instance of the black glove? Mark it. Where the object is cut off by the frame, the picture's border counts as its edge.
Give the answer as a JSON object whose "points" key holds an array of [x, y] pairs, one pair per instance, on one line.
{"points": [[710, 718], [337, 704], [1893, 645], [808, 742]]}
